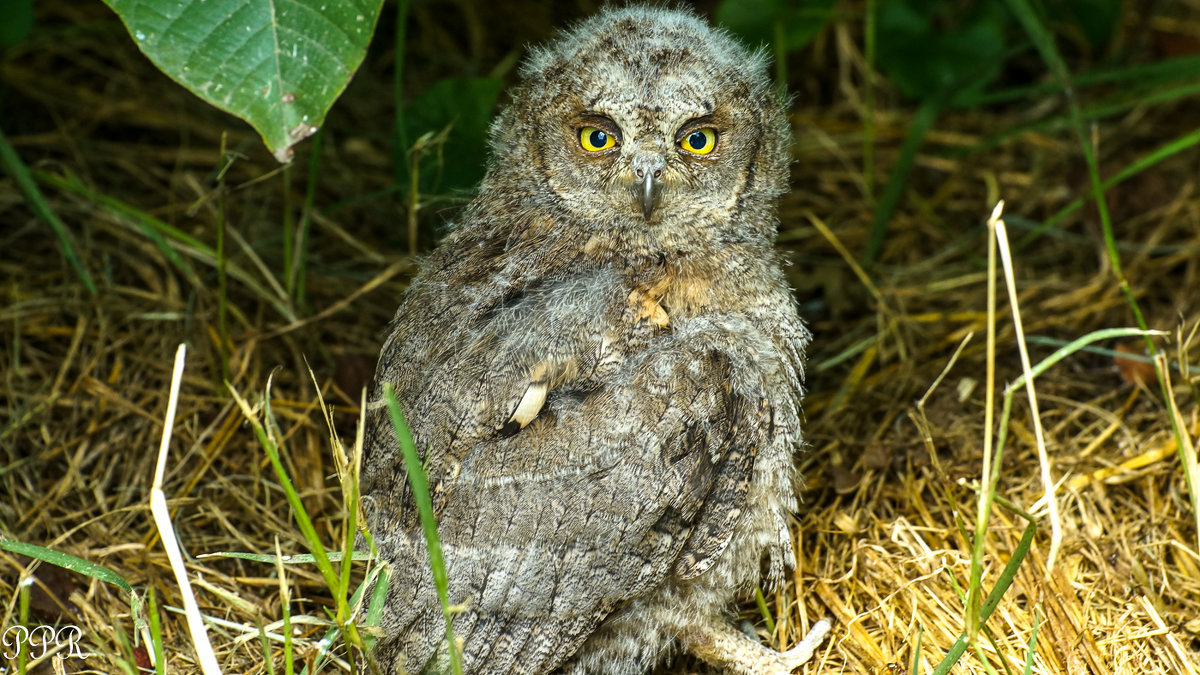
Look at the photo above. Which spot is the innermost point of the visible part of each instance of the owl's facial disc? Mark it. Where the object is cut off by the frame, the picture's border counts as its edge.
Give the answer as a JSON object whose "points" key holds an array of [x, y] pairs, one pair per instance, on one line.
{"points": [[659, 137], [692, 140], [600, 137]]}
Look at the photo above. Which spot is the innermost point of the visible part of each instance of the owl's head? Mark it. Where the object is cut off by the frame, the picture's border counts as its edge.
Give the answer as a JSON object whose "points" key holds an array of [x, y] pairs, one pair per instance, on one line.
{"points": [[648, 126]]}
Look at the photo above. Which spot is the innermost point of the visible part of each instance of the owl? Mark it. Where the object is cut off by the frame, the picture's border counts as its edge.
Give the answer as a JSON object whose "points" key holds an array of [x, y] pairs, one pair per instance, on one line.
{"points": [[602, 369]]}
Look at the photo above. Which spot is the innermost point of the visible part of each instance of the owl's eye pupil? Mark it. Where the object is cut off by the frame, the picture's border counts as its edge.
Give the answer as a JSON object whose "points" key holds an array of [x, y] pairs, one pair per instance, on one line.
{"points": [[594, 139], [700, 141]]}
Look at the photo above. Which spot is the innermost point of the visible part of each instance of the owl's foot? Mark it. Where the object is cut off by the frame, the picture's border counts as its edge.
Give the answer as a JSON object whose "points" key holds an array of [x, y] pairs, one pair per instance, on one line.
{"points": [[803, 651], [720, 644]]}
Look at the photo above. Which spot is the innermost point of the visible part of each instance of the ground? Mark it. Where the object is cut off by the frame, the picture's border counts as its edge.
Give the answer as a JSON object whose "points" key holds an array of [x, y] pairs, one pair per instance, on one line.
{"points": [[897, 421]]}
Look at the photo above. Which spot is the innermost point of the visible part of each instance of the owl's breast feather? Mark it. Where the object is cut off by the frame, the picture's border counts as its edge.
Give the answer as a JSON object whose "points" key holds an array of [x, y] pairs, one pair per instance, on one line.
{"points": [[716, 284]]}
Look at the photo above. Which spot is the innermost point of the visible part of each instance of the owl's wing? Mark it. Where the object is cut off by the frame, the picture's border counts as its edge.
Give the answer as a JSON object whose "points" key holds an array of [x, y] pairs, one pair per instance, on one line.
{"points": [[598, 501]]}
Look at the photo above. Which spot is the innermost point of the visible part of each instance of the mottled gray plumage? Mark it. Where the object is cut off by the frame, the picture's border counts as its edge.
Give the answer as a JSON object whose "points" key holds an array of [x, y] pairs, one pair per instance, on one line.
{"points": [[602, 369]]}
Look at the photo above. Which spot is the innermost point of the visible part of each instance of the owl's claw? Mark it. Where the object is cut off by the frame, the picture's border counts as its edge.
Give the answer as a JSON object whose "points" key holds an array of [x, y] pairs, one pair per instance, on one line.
{"points": [[531, 402]]}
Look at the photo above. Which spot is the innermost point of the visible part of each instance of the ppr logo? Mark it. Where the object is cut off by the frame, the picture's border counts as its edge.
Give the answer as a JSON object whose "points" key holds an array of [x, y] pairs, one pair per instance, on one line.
{"points": [[38, 641]]}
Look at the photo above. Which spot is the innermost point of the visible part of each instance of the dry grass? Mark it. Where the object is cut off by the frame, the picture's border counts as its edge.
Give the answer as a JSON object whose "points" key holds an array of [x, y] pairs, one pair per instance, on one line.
{"points": [[883, 537]]}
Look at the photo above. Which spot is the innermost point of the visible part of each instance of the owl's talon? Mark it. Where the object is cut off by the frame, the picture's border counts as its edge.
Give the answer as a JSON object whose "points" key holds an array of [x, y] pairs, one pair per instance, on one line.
{"points": [[531, 402]]}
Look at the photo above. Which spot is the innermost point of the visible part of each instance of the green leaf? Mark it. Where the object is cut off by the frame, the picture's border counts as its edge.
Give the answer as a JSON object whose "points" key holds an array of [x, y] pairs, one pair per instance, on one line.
{"points": [[16, 20], [466, 105], [1096, 20], [925, 48], [278, 64], [757, 21]]}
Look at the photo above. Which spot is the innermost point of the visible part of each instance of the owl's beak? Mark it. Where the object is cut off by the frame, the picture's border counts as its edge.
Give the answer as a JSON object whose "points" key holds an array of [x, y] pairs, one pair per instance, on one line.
{"points": [[647, 187]]}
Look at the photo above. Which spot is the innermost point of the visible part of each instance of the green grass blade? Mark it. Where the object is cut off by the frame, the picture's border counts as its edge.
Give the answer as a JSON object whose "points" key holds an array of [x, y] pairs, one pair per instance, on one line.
{"points": [[67, 562], [296, 281], [289, 231], [420, 490], [128, 661], [23, 594], [916, 659], [1037, 623], [1044, 41], [377, 581], [1149, 74], [377, 602], [1112, 353], [350, 503], [993, 599], [922, 122], [150, 227], [41, 208], [297, 559], [399, 132], [224, 345], [156, 638], [1185, 142], [868, 94], [764, 610], [71, 183], [172, 237], [320, 556], [1076, 345], [265, 645], [1113, 105]]}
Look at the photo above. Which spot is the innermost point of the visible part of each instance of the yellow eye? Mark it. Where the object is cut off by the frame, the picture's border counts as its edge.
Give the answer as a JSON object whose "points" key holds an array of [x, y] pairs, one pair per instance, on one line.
{"points": [[700, 141], [595, 140]]}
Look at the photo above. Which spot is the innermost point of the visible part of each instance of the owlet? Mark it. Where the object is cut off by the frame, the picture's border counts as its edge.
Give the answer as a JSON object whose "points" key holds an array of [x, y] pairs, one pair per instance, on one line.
{"points": [[601, 366]]}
